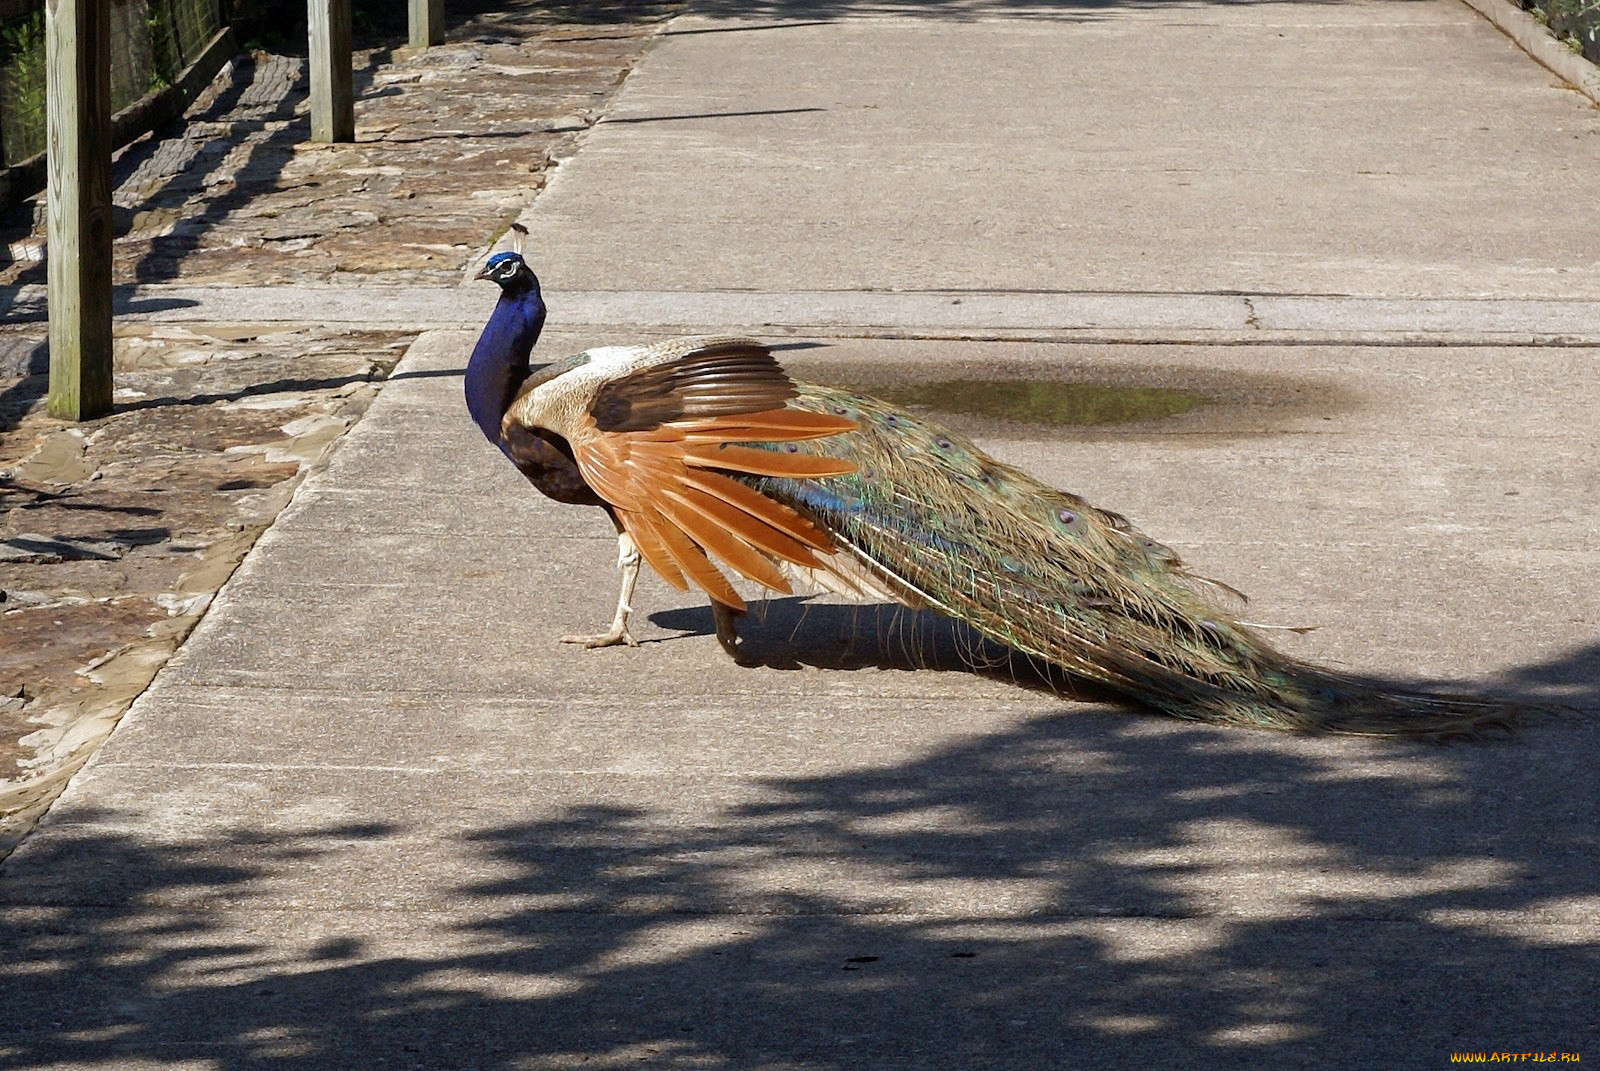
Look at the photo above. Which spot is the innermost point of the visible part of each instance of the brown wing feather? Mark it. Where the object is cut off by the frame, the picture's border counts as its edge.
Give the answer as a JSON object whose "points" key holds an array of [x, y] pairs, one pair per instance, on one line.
{"points": [[646, 537], [724, 377], [690, 558], [774, 425]]}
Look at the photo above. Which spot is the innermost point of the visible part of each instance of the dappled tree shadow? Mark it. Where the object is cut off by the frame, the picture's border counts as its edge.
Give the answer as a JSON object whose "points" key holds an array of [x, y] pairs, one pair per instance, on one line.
{"points": [[811, 11], [463, 15], [1079, 889], [1572, 678]]}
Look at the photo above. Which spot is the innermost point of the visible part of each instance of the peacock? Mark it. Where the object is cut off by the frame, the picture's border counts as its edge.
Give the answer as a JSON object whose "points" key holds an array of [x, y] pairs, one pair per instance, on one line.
{"points": [[710, 459]]}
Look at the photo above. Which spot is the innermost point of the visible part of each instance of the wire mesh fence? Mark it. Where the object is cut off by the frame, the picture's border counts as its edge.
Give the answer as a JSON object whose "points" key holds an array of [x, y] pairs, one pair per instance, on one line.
{"points": [[151, 42]]}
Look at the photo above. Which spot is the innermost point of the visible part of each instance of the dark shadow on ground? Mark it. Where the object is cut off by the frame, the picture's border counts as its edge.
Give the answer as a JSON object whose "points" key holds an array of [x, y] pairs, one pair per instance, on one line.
{"points": [[744, 29], [1076, 890], [797, 632], [710, 115], [16, 495], [21, 394], [814, 12], [276, 386]]}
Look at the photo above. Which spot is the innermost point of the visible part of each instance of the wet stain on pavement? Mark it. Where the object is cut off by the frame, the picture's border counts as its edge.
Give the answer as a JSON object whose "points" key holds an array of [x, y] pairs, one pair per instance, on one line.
{"points": [[1046, 402], [1091, 401]]}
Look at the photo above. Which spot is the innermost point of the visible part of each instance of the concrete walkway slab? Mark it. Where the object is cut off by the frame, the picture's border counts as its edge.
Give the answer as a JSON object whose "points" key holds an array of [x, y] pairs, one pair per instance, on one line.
{"points": [[970, 312], [1280, 148]]}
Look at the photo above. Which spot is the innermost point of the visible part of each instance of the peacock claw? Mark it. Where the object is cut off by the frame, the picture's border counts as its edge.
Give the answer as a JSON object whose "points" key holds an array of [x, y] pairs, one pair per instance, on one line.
{"points": [[728, 634], [732, 646], [614, 638]]}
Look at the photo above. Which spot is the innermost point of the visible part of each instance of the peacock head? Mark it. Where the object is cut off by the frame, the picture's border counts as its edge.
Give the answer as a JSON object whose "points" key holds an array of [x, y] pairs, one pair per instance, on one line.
{"points": [[511, 272]]}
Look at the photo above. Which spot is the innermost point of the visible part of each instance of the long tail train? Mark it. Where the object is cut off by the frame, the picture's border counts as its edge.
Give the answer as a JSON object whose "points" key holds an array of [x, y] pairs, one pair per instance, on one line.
{"points": [[930, 520]]}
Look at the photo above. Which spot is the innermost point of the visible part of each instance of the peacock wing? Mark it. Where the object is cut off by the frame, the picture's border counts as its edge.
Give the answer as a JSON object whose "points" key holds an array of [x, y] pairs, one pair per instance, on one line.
{"points": [[692, 377], [662, 446]]}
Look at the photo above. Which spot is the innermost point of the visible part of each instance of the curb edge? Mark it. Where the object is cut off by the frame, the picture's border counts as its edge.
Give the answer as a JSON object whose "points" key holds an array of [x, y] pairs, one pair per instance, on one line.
{"points": [[1534, 38]]}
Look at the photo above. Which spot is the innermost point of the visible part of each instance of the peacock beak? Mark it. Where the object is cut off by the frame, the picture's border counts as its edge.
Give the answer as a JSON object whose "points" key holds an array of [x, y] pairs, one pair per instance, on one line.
{"points": [[484, 274]]}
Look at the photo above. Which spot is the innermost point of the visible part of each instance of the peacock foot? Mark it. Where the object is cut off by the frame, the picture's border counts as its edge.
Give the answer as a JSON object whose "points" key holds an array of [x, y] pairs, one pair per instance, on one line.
{"points": [[728, 634], [735, 649], [615, 638]]}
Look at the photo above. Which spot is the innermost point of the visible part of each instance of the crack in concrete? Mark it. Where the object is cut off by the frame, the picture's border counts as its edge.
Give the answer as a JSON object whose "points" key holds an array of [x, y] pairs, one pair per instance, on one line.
{"points": [[1252, 318]]}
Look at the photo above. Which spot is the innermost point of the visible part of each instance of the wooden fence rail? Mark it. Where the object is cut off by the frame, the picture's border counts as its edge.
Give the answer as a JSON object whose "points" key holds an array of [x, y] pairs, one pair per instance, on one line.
{"points": [[333, 115], [78, 166], [427, 23], [78, 98]]}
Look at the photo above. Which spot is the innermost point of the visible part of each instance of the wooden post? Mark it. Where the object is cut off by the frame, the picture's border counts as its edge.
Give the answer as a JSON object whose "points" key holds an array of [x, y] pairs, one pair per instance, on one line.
{"points": [[427, 23], [333, 113], [78, 164]]}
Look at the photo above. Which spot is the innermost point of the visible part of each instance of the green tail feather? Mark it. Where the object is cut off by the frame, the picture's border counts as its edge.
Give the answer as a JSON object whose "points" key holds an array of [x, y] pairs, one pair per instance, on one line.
{"points": [[1042, 571]]}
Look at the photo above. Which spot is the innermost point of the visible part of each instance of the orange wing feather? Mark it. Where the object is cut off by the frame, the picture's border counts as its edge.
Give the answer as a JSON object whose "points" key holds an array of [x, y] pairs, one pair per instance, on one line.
{"points": [[646, 538], [781, 532], [723, 455], [685, 515], [696, 565]]}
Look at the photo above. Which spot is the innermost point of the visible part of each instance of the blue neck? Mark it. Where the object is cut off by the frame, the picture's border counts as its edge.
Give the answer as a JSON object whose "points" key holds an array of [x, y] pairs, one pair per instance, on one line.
{"points": [[499, 361]]}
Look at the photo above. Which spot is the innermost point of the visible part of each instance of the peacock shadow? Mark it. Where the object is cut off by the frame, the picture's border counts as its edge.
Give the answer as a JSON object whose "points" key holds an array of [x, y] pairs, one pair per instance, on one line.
{"points": [[800, 632]]}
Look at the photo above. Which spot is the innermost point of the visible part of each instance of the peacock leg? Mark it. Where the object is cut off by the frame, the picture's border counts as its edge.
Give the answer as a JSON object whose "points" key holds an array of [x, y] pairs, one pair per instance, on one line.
{"points": [[628, 562], [727, 632]]}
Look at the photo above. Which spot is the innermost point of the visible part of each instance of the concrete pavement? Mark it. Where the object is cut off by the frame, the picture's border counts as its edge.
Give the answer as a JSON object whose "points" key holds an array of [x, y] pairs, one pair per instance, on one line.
{"points": [[1390, 149], [1215, 316], [373, 816]]}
